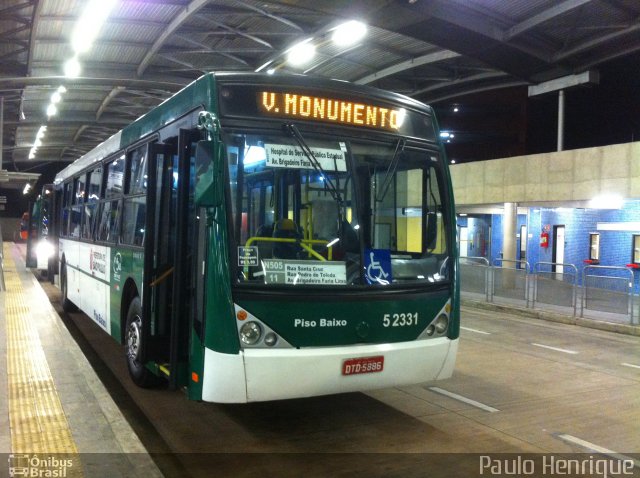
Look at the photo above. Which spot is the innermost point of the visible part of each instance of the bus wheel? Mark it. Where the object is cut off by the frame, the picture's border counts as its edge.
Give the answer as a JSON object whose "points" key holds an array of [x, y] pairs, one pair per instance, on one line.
{"points": [[140, 375], [67, 305]]}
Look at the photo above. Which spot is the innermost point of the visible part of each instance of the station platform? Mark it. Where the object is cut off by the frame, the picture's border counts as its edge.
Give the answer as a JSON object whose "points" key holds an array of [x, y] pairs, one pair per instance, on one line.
{"points": [[56, 417]]}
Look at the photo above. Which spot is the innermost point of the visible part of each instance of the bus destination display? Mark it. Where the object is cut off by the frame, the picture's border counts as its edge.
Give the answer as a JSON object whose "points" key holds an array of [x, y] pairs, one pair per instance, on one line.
{"points": [[298, 106]]}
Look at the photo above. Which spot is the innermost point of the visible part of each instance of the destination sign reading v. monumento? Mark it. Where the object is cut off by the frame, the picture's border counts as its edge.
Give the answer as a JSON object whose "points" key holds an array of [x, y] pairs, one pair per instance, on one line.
{"points": [[294, 105]]}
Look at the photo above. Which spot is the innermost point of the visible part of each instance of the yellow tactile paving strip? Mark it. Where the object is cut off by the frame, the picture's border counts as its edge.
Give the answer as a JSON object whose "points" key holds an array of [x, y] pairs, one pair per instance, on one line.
{"points": [[37, 420]]}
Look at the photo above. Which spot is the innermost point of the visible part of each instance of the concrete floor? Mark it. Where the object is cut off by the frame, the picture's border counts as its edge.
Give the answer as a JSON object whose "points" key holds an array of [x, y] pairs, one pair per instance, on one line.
{"points": [[521, 386]]}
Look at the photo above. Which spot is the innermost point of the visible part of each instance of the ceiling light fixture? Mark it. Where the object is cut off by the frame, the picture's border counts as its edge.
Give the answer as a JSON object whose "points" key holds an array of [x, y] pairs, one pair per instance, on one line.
{"points": [[301, 54], [89, 24], [72, 68], [349, 33]]}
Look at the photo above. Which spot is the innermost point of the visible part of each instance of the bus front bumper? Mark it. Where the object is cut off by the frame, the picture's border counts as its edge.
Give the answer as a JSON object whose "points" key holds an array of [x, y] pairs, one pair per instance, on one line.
{"points": [[274, 374]]}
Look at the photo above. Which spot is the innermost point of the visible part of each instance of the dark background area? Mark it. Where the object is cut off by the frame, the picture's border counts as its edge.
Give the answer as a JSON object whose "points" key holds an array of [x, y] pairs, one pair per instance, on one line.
{"points": [[505, 123]]}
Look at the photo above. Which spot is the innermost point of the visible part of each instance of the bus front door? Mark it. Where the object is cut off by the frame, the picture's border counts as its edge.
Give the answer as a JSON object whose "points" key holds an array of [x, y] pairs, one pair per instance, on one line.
{"points": [[168, 257]]}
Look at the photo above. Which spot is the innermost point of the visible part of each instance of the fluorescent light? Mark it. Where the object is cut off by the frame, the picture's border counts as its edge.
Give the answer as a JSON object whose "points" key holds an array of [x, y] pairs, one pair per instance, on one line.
{"points": [[52, 110], [72, 68], [62, 90], [90, 23], [349, 33], [56, 97], [607, 201], [301, 54]]}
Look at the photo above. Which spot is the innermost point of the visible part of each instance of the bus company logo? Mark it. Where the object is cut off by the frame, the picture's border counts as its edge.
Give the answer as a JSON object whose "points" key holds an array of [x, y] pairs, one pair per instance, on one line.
{"points": [[36, 466], [117, 266]]}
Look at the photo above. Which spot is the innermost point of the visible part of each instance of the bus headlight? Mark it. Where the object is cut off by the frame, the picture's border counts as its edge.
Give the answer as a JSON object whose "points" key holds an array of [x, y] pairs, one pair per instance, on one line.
{"points": [[441, 324], [250, 333], [44, 249], [270, 339]]}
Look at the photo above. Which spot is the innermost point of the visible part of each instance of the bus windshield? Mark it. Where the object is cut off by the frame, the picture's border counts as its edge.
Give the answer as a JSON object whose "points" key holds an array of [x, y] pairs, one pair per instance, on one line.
{"points": [[313, 210]]}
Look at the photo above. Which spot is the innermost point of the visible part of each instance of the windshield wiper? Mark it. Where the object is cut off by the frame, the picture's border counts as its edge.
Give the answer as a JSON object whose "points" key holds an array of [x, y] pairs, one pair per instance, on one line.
{"points": [[391, 170], [293, 131]]}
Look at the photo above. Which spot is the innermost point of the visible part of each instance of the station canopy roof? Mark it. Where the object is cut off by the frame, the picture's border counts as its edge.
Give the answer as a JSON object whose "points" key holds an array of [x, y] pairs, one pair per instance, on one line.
{"points": [[146, 50]]}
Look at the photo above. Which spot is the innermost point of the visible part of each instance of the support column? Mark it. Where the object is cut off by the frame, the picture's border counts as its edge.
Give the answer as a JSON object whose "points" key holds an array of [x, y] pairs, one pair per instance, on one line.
{"points": [[509, 225], [561, 120], [509, 231]]}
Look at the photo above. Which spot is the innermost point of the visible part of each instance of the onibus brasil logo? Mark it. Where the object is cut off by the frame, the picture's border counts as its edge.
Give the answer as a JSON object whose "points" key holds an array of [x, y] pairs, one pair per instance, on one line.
{"points": [[22, 464]]}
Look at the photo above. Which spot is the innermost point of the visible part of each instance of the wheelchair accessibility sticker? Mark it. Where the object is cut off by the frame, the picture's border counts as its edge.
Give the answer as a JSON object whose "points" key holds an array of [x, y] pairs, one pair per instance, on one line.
{"points": [[377, 263]]}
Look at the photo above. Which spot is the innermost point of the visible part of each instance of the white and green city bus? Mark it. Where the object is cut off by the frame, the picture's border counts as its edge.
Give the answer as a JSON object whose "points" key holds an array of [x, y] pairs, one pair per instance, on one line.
{"points": [[261, 237]]}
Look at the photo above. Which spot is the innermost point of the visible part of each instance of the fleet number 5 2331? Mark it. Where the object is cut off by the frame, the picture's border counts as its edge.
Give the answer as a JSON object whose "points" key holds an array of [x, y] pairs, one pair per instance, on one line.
{"points": [[400, 320]]}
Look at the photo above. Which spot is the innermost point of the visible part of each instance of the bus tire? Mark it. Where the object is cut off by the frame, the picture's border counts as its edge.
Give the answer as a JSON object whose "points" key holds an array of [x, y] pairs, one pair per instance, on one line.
{"points": [[67, 305], [140, 375]]}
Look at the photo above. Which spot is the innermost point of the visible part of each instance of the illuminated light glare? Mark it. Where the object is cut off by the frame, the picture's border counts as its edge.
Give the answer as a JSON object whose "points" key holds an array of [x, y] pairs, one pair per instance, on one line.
{"points": [[26, 189], [37, 143], [52, 110], [56, 98], [62, 90], [335, 241], [32, 154], [254, 155], [445, 134], [72, 68], [89, 24], [271, 71], [456, 109], [607, 201], [301, 54], [349, 33], [356, 227], [453, 161], [263, 66], [399, 118]]}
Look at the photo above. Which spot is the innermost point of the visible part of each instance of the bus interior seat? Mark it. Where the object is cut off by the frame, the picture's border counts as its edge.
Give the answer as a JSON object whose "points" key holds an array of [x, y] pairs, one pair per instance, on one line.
{"points": [[287, 229]]}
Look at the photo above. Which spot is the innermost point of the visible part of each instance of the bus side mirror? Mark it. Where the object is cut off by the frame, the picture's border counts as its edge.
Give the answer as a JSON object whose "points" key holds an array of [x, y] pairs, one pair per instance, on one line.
{"points": [[207, 175]]}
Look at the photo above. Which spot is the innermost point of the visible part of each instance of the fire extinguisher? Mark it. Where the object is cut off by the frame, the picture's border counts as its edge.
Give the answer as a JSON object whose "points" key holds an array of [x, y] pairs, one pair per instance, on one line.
{"points": [[544, 239]]}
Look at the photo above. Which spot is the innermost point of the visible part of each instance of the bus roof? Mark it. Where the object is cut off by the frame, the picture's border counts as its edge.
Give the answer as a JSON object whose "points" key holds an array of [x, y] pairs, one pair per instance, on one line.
{"points": [[199, 93]]}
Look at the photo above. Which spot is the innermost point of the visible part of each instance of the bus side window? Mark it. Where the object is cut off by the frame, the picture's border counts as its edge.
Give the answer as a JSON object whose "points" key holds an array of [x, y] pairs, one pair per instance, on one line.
{"points": [[74, 221], [133, 222]]}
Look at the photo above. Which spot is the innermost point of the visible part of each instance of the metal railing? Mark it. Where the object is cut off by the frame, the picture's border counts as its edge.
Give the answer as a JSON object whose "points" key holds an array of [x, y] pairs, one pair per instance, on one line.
{"points": [[608, 289], [474, 275], [553, 287], [510, 280]]}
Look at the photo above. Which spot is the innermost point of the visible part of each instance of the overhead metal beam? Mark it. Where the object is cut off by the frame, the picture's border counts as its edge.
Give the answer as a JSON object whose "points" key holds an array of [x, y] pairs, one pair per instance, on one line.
{"points": [[238, 32], [408, 64], [21, 82], [212, 50], [112, 94], [591, 76], [187, 13], [543, 17], [277, 18], [590, 44]]}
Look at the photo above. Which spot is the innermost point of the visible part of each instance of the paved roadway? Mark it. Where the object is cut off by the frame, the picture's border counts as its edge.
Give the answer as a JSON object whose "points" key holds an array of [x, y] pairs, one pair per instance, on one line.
{"points": [[521, 386]]}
